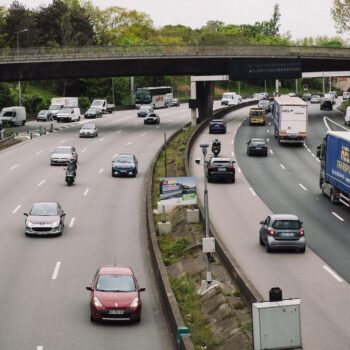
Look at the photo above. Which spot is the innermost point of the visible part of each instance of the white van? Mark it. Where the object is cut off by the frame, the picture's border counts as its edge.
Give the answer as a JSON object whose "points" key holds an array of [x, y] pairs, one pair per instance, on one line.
{"points": [[226, 97], [68, 114], [347, 116], [237, 99], [329, 96], [15, 115]]}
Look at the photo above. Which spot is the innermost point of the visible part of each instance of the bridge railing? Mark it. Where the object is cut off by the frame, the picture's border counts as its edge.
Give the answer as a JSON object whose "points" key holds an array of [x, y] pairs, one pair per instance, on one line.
{"points": [[9, 55]]}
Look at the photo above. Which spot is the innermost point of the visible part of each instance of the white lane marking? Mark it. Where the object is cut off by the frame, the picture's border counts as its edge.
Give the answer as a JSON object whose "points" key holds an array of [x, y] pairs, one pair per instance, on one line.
{"points": [[14, 166], [72, 221], [325, 119], [268, 140], [308, 149], [303, 187], [232, 141], [267, 130], [271, 151], [252, 191], [62, 141], [100, 171], [317, 159], [55, 271], [117, 132], [233, 154], [86, 192], [304, 144], [282, 166], [16, 209], [37, 153], [337, 216], [335, 275], [239, 169], [83, 150], [100, 140], [269, 123], [128, 144], [157, 127], [39, 347], [115, 155], [143, 134], [41, 182]]}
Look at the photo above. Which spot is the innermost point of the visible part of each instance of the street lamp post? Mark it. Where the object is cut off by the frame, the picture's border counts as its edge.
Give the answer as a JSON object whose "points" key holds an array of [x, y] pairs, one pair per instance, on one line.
{"points": [[19, 81], [204, 148]]}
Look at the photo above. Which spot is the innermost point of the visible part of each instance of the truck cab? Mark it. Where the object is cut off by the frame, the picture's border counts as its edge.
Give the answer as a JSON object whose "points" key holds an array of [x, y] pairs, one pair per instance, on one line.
{"points": [[13, 116]]}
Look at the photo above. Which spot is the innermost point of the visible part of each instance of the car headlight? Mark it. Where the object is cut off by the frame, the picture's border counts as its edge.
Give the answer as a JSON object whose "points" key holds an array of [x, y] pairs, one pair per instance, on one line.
{"points": [[55, 224], [97, 302], [135, 303], [29, 224]]}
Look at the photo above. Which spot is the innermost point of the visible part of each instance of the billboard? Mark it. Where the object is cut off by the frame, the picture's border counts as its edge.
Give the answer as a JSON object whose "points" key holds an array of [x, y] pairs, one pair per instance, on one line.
{"points": [[177, 190]]}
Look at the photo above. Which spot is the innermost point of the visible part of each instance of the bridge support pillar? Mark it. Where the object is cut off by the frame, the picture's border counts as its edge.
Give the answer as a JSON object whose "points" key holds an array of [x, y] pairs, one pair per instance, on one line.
{"points": [[205, 99]]}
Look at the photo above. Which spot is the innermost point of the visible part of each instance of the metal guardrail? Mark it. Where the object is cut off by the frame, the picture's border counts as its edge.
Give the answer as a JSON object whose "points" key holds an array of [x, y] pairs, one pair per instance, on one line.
{"points": [[42, 54]]}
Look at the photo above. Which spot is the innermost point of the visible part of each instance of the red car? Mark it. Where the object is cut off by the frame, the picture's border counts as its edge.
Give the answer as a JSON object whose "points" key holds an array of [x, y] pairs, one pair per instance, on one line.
{"points": [[115, 295]]}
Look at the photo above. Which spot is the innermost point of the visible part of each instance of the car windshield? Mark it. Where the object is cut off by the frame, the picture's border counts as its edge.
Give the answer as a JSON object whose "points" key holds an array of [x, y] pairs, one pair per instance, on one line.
{"points": [[258, 142], [124, 159], [115, 283], [257, 113], [88, 126], [97, 103], [221, 163], [145, 108], [54, 107], [65, 110], [62, 150], [93, 109], [286, 225], [43, 112], [44, 209]]}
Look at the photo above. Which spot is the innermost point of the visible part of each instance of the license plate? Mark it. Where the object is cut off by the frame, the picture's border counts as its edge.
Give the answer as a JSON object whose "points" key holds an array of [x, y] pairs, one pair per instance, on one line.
{"points": [[116, 312], [222, 169], [287, 234], [258, 148]]}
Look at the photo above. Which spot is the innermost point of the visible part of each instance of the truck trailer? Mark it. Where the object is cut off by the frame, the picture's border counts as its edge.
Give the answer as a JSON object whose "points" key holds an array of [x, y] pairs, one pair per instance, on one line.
{"points": [[290, 116], [334, 154]]}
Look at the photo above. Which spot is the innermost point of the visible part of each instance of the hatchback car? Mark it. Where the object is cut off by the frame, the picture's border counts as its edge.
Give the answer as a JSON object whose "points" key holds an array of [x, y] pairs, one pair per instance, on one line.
{"points": [[61, 155], [326, 104], [175, 102], [88, 130], [124, 165], [151, 118], [45, 218], [221, 169], [44, 115], [315, 99], [282, 231], [257, 147], [217, 126], [144, 110], [115, 295], [93, 112]]}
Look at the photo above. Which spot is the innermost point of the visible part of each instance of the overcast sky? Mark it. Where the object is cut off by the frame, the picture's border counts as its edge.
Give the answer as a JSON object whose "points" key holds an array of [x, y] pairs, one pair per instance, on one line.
{"points": [[300, 17]]}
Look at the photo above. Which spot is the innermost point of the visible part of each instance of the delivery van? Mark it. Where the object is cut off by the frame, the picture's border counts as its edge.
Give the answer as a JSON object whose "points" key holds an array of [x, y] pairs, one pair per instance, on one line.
{"points": [[13, 116]]}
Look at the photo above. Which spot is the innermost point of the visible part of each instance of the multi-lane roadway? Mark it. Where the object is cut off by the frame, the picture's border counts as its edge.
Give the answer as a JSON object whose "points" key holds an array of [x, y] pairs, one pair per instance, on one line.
{"points": [[285, 182], [44, 304]]}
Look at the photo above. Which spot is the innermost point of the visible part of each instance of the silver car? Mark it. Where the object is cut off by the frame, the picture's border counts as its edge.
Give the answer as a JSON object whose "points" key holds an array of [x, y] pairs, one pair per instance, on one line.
{"points": [[88, 130], [45, 218], [282, 231], [44, 115], [61, 155]]}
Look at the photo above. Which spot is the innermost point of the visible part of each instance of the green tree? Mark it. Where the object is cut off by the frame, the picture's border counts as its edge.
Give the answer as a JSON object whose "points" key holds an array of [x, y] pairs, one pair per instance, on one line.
{"points": [[341, 15]]}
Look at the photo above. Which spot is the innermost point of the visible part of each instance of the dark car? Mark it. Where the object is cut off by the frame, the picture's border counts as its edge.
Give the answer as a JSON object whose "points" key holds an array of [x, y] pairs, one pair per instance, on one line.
{"points": [[93, 112], [306, 97], [217, 126], [115, 295], [44, 115], [144, 110], [221, 169], [124, 165], [282, 231], [257, 147], [45, 218], [326, 104], [151, 118]]}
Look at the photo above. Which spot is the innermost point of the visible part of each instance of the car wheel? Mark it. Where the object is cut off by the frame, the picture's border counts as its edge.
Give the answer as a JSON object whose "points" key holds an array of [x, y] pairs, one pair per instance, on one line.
{"points": [[261, 242], [268, 248], [248, 152], [266, 154], [233, 179], [332, 197], [302, 250]]}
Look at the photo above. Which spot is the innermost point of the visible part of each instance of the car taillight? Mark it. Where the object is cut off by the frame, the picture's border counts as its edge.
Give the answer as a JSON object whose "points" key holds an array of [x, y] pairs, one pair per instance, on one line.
{"points": [[270, 231], [231, 168], [212, 168], [301, 232]]}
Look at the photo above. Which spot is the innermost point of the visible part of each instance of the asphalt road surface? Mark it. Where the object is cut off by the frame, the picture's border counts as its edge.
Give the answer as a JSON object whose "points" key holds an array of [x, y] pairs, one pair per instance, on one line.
{"points": [[44, 304], [285, 182]]}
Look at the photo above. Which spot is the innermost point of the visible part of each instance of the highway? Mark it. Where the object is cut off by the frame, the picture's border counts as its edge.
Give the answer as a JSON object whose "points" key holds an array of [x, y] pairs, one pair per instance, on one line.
{"points": [[285, 182], [44, 301]]}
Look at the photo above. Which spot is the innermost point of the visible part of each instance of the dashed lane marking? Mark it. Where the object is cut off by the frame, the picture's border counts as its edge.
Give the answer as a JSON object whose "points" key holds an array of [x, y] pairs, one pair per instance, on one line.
{"points": [[334, 274]]}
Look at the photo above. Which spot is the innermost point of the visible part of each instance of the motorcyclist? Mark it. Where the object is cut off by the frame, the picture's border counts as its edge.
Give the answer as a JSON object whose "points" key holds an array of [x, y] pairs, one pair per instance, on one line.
{"points": [[216, 147], [72, 167]]}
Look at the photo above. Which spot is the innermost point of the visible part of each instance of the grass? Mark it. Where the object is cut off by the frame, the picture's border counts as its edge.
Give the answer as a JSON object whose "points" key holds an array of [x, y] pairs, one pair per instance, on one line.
{"points": [[185, 290], [171, 249]]}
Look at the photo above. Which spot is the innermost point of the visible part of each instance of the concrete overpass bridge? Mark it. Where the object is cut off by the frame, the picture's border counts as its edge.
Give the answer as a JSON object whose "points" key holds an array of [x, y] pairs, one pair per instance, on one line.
{"points": [[248, 62]]}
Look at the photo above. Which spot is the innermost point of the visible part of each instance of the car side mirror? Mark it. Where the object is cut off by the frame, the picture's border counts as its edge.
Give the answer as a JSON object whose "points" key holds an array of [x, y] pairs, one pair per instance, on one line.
{"points": [[142, 289], [233, 162], [197, 160], [25, 214], [262, 222], [89, 288], [64, 214]]}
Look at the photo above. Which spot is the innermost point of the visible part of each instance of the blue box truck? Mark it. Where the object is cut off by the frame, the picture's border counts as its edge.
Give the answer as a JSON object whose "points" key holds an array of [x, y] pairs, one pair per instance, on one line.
{"points": [[334, 154]]}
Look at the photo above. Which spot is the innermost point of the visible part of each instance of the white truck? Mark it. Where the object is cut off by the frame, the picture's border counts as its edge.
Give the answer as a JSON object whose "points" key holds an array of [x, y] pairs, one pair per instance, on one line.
{"points": [[57, 103], [290, 117], [13, 116], [227, 97], [103, 105]]}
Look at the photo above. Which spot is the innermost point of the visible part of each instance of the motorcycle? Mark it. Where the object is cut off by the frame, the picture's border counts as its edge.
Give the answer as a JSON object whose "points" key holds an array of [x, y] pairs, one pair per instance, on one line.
{"points": [[216, 147], [70, 177]]}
